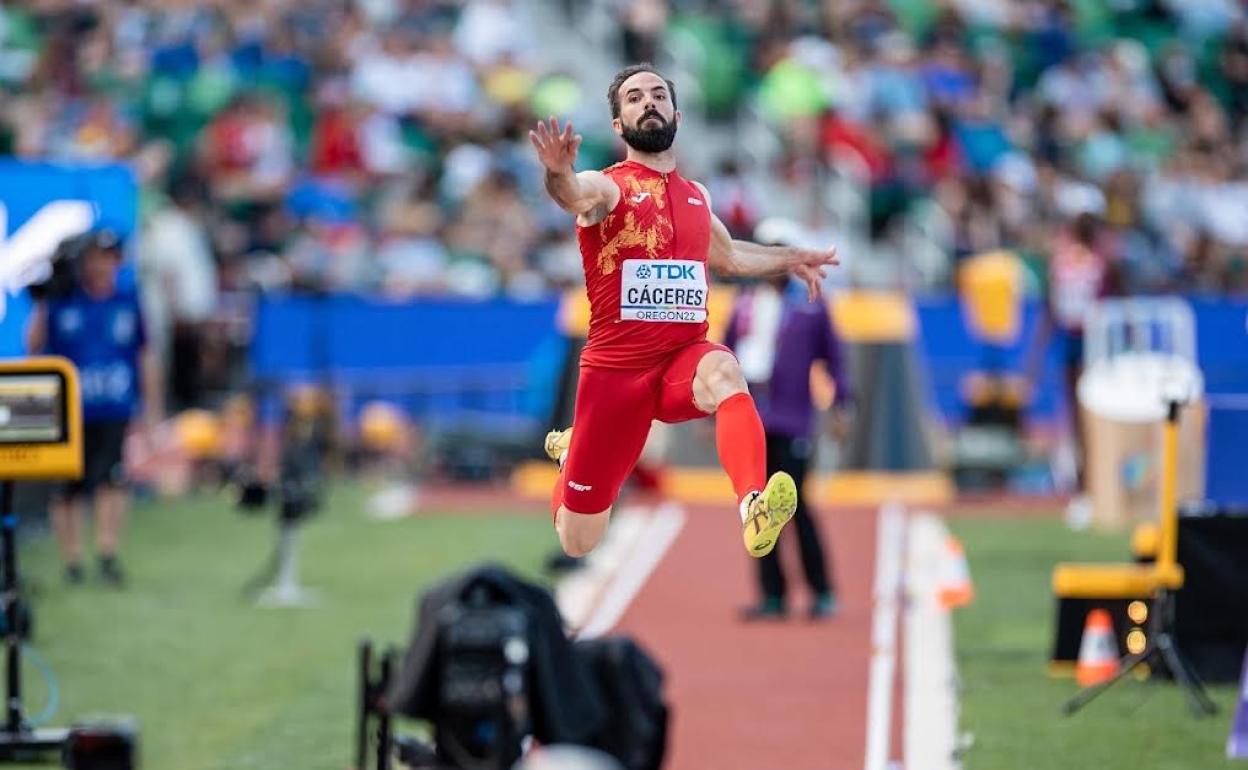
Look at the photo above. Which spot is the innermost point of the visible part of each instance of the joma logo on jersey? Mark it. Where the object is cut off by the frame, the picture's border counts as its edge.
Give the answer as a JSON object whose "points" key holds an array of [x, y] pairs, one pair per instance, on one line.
{"points": [[670, 272]]}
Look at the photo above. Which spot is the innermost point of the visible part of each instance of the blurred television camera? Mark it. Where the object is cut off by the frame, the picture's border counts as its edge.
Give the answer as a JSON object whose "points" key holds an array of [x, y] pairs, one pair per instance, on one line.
{"points": [[491, 669], [65, 260]]}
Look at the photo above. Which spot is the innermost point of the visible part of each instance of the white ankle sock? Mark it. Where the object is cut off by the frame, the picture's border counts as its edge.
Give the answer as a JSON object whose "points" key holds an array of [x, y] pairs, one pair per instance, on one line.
{"points": [[744, 507]]}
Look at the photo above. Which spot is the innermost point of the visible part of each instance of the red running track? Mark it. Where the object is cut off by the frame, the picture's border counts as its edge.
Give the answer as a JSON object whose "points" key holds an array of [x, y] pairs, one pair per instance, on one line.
{"points": [[776, 696]]}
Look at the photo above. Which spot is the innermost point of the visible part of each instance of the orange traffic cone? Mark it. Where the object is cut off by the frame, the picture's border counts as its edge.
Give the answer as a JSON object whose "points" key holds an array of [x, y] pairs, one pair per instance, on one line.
{"points": [[1098, 652], [956, 589]]}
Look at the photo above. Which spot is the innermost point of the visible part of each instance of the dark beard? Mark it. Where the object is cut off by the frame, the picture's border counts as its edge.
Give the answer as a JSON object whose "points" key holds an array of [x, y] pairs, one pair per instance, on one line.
{"points": [[650, 140]]}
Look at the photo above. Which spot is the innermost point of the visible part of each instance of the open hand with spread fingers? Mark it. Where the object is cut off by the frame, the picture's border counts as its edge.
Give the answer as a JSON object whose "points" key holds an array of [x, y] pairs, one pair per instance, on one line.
{"points": [[809, 266], [555, 149]]}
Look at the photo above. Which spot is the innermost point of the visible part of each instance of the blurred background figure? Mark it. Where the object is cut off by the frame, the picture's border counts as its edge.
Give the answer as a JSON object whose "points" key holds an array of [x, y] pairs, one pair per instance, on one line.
{"points": [[778, 335], [100, 328], [389, 454], [179, 286], [1079, 277]]}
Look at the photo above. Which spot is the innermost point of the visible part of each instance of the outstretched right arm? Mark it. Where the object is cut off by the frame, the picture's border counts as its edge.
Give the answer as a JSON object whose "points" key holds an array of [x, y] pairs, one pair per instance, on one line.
{"points": [[589, 195]]}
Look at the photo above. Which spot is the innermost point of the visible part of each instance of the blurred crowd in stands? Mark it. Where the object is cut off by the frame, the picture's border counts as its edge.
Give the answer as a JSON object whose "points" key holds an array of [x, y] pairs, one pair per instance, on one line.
{"points": [[1026, 125], [380, 145]]}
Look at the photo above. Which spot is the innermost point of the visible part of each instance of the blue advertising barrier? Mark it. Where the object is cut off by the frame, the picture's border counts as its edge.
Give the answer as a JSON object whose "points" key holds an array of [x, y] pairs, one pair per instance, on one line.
{"points": [[302, 338], [488, 366], [1226, 483], [1222, 349], [1222, 343], [496, 363], [949, 352], [26, 189]]}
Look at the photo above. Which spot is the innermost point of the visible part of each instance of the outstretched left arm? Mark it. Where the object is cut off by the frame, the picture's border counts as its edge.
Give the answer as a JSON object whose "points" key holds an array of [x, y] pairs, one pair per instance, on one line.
{"points": [[743, 259]]}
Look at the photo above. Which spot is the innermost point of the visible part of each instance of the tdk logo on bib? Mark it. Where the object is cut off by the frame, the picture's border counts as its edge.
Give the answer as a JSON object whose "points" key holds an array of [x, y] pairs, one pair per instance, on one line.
{"points": [[670, 290], [671, 272]]}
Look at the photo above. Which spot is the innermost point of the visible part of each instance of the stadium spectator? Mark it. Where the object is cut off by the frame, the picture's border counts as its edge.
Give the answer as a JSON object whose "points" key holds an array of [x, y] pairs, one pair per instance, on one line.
{"points": [[179, 288]]}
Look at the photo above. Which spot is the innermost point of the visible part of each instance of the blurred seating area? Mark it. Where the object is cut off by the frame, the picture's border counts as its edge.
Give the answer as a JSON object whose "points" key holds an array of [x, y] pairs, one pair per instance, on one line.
{"points": [[320, 146], [988, 125], [378, 147]]}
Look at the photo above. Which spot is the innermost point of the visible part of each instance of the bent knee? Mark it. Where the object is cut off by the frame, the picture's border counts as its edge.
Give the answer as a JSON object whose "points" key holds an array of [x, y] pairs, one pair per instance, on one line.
{"points": [[719, 382], [580, 533], [575, 547]]}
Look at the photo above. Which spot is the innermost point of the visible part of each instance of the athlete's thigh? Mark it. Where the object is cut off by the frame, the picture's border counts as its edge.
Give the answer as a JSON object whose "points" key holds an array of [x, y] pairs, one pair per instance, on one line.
{"points": [[613, 411], [676, 402]]}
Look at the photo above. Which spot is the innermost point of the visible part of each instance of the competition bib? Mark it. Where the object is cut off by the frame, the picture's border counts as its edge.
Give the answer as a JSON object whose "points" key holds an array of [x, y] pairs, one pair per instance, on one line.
{"points": [[671, 290]]}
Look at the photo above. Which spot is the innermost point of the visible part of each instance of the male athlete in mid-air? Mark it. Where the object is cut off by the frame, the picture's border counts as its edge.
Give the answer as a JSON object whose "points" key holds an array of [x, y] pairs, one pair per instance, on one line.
{"points": [[647, 237]]}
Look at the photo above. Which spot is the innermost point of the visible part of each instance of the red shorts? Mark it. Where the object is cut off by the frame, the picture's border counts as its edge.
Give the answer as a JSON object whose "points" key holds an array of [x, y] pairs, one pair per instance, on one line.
{"points": [[614, 409]]}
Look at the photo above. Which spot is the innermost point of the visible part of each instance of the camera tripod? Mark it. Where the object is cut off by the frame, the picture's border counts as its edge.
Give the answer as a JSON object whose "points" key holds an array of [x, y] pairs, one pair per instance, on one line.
{"points": [[19, 742], [1161, 650]]}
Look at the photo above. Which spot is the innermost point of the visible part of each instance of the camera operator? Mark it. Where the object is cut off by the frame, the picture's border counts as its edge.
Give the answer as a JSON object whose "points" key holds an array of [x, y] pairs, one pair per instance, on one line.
{"points": [[99, 326]]}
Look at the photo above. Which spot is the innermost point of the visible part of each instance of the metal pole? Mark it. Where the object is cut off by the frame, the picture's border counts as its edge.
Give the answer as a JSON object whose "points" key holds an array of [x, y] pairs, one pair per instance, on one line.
{"points": [[1167, 553], [12, 639], [385, 737], [287, 583], [366, 704]]}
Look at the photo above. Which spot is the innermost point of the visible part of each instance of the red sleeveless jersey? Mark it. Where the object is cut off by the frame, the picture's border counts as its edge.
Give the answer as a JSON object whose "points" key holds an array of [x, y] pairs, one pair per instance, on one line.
{"points": [[645, 269]]}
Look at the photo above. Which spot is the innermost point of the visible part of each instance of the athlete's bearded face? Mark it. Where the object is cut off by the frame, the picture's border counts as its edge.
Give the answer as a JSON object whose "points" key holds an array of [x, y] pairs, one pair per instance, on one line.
{"points": [[647, 121]]}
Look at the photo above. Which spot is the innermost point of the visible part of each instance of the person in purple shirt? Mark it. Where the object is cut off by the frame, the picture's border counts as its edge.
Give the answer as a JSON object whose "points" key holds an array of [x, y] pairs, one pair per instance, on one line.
{"points": [[776, 335]]}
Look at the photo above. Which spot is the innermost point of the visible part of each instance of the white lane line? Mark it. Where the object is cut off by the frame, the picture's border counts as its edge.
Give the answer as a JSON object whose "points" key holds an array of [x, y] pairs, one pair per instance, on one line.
{"points": [[648, 550], [594, 599], [931, 701], [889, 544], [580, 591]]}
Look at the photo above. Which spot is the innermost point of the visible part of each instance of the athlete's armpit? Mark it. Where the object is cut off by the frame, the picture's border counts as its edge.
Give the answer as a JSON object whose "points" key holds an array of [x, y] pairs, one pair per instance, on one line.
{"points": [[594, 216]]}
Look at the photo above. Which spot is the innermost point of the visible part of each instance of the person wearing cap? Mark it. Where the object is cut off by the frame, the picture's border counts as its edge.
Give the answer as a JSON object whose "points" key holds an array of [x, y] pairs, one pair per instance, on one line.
{"points": [[777, 336], [99, 327]]}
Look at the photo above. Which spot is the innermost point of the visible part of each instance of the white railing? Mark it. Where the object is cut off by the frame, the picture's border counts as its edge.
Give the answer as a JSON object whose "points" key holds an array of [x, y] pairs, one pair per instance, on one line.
{"points": [[1157, 325], [1138, 353]]}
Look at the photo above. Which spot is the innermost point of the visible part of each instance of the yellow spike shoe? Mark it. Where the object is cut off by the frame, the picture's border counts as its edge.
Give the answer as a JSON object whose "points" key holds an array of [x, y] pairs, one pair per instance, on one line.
{"points": [[557, 443], [767, 512]]}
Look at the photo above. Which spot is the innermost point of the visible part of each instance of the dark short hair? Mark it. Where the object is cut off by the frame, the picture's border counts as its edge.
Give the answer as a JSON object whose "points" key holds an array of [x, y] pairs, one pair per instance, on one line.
{"points": [[613, 92]]}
